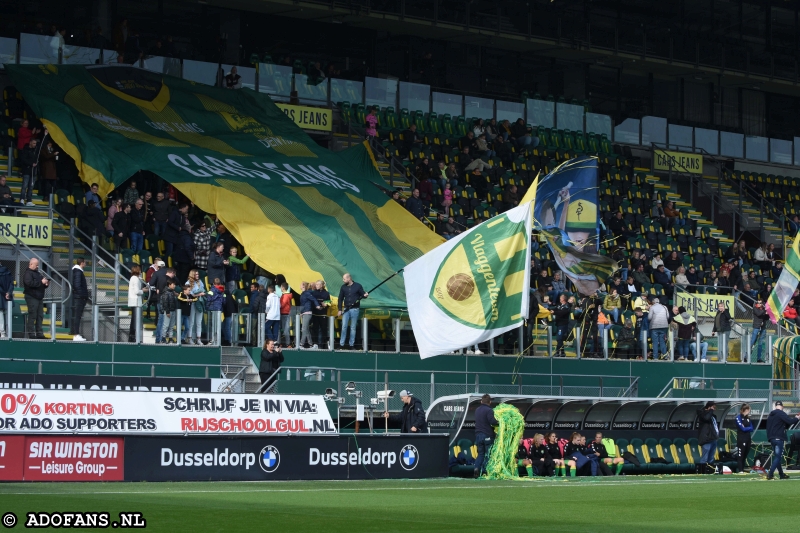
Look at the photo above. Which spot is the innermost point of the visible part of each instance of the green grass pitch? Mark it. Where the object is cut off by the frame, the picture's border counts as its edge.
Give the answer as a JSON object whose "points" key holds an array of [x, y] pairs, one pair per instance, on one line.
{"points": [[643, 504]]}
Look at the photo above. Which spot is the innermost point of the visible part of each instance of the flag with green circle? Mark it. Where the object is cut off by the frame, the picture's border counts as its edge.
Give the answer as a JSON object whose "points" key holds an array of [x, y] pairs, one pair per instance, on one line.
{"points": [[473, 287]]}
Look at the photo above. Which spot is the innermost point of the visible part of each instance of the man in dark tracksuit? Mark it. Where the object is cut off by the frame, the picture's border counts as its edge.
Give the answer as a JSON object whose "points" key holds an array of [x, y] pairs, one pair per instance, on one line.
{"points": [[707, 435], [80, 293], [412, 417], [484, 434], [777, 422]]}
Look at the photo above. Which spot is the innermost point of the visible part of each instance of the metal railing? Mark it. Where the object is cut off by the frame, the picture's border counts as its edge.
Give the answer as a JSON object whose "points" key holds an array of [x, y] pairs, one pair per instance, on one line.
{"points": [[223, 368], [426, 384], [731, 388]]}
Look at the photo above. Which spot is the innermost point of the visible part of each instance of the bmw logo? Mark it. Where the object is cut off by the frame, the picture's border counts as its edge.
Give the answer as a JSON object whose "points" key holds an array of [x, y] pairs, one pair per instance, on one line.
{"points": [[409, 457], [269, 459]]}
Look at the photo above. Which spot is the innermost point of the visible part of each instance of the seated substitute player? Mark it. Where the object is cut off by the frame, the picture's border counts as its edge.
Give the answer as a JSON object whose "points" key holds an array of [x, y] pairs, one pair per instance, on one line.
{"points": [[540, 457], [551, 443], [597, 446], [599, 467], [524, 457]]}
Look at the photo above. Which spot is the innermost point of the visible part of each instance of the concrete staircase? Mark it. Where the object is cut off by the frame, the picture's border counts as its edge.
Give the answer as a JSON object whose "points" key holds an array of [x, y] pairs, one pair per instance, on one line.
{"points": [[662, 187], [237, 357], [393, 180], [751, 214]]}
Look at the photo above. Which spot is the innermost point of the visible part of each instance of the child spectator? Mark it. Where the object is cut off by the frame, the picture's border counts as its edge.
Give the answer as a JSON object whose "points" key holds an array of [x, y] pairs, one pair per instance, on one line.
{"points": [[448, 197], [169, 306], [214, 301], [286, 315], [186, 301], [233, 270]]}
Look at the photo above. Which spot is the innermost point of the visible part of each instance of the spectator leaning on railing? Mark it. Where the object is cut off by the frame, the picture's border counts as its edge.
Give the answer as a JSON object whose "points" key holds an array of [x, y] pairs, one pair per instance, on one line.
{"points": [[80, 294], [6, 295], [35, 284]]}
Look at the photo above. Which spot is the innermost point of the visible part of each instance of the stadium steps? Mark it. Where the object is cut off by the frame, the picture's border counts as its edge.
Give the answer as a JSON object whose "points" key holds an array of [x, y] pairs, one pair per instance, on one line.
{"points": [[665, 192], [772, 229], [238, 357]]}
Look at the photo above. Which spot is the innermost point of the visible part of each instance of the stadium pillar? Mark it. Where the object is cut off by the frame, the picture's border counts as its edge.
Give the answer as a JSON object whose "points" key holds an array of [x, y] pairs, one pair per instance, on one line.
{"points": [[521, 337], [605, 344], [53, 313], [178, 327], [397, 335], [433, 388], [96, 322], [364, 333], [137, 316], [262, 317], [297, 330], [94, 268], [549, 342], [745, 346], [671, 345], [331, 333], [577, 342], [9, 321], [697, 353]]}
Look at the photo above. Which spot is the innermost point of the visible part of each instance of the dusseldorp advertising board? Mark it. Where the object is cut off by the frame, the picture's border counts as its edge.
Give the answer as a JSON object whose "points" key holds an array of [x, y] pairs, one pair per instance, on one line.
{"points": [[313, 457]]}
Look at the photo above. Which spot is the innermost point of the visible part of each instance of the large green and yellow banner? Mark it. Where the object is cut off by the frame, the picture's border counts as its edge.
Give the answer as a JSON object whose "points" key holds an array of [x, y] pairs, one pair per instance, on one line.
{"points": [[299, 209]]}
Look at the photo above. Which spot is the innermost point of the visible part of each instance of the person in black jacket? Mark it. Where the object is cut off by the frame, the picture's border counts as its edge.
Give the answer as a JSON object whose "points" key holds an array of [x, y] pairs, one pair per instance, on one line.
{"points": [[229, 307], [759, 323], [176, 222], [160, 207], [415, 206], [722, 325], [6, 295], [92, 223], [122, 226], [484, 433], [271, 359], [562, 313], [777, 422], [137, 216], [35, 284], [80, 293], [540, 457], [412, 417], [217, 262], [350, 296], [744, 432], [28, 162], [554, 451], [707, 435], [597, 447], [576, 459]]}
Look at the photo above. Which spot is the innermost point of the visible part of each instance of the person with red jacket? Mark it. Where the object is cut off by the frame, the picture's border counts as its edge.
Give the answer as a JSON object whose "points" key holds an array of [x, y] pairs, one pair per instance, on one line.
{"points": [[25, 134], [286, 315], [790, 313]]}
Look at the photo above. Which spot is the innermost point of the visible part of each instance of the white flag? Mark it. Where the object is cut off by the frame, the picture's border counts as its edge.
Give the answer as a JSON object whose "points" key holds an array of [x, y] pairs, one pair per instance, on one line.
{"points": [[473, 287]]}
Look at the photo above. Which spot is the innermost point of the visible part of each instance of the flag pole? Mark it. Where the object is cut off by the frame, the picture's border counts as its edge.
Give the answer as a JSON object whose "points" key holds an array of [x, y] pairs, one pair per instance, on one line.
{"points": [[376, 287], [384, 281]]}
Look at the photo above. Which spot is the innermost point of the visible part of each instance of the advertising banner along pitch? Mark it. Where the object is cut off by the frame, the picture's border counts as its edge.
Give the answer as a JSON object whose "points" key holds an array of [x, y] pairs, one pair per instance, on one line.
{"points": [[61, 458], [201, 458], [142, 413]]}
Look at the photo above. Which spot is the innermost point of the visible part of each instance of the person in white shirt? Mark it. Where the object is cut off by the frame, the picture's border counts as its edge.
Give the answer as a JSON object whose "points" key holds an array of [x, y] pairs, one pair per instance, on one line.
{"points": [[273, 314]]}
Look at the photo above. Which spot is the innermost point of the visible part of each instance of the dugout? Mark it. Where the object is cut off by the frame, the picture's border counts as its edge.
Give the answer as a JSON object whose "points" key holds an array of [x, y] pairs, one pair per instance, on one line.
{"points": [[633, 418]]}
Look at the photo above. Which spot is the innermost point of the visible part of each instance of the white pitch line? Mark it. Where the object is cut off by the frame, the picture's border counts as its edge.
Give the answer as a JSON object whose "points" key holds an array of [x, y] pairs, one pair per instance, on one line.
{"points": [[510, 485]]}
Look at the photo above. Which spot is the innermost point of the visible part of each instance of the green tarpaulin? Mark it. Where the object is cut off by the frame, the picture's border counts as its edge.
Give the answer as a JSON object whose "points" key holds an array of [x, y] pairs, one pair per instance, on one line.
{"points": [[299, 209]]}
